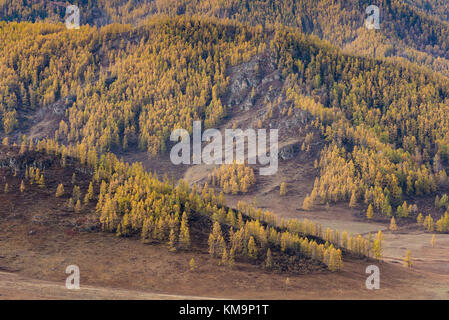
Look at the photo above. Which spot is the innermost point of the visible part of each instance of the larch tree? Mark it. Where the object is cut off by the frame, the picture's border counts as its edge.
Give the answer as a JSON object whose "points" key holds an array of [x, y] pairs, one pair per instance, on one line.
{"points": [[216, 240], [408, 259], [231, 258], [172, 240], [224, 257], [269, 260], [192, 265], [377, 246], [353, 200], [90, 194], [78, 206], [370, 212], [60, 190], [283, 189], [307, 203], [420, 219], [76, 193], [429, 223], [41, 181], [252, 248], [184, 233], [393, 226]]}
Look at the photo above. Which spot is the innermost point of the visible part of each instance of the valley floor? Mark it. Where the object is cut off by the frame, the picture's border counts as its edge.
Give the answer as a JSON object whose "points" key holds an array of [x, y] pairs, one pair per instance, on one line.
{"points": [[33, 267]]}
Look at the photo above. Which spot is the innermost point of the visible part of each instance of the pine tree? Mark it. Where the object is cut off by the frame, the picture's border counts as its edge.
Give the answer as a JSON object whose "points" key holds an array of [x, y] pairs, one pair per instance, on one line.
{"points": [[76, 194], [377, 245], [221, 199], [41, 182], [429, 223], [403, 210], [224, 257], [146, 231], [172, 240], [408, 260], [353, 201], [60, 190], [370, 212], [23, 147], [437, 201], [221, 245], [269, 260], [442, 225], [307, 203], [226, 187], [22, 186], [339, 259], [344, 239], [70, 204], [184, 234], [234, 187], [78, 206], [240, 221], [192, 265], [335, 260], [231, 259], [252, 248], [230, 218], [216, 241], [420, 219], [90, 194], [283, 189], [211, 243], [393, 226]]}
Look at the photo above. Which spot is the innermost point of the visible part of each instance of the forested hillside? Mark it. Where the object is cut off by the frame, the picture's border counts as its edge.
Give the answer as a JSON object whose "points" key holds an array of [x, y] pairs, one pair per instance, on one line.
{"points": [[436, 8], [131, 202], [407, 32], [373, 102], [143, 82], [130, 86], [385, 123]]}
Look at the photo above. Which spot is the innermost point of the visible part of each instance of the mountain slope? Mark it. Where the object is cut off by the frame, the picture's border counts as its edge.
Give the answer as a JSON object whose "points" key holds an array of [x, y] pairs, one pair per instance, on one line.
{"points": [[122, 86], [376, 115], [406, 31]]}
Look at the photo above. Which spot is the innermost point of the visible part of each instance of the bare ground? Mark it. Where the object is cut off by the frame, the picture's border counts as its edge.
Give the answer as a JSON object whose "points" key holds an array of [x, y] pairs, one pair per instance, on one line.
{"points": [[117, 268]]}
